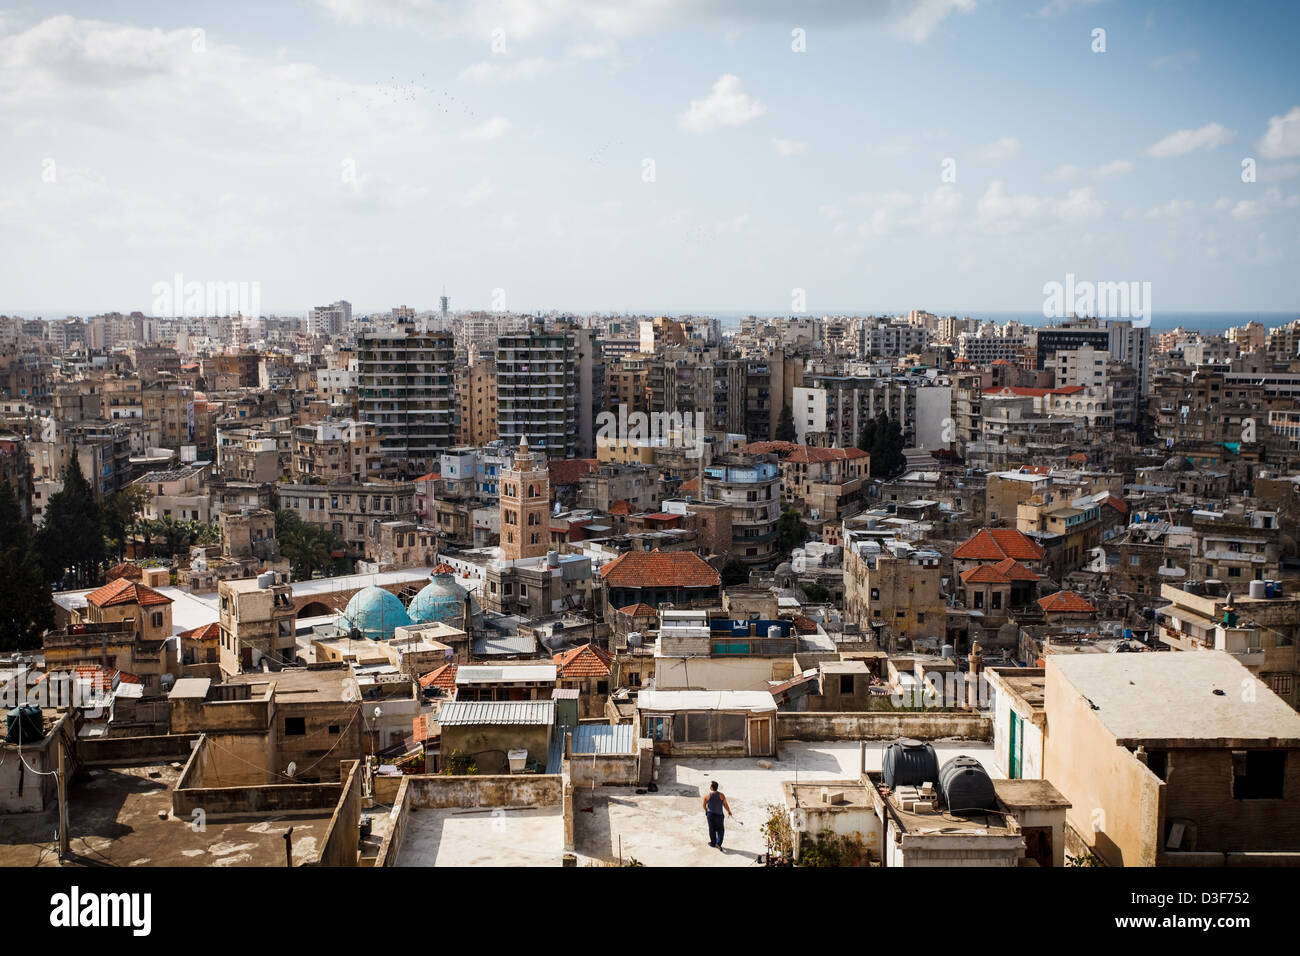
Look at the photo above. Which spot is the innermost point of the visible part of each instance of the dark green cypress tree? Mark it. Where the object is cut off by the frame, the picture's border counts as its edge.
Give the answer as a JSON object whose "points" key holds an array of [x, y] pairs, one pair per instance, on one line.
{"points": [[26, 609], [71, 540]]}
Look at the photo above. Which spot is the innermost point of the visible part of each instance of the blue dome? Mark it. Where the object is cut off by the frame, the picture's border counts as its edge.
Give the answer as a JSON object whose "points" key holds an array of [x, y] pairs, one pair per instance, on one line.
{"points": [[376, 613], [442, 599]]}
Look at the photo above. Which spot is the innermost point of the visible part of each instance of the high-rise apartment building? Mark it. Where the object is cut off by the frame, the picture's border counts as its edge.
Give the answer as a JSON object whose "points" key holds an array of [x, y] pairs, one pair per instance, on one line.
{"points": [[476, 400], [406, 389], [544, 389]]}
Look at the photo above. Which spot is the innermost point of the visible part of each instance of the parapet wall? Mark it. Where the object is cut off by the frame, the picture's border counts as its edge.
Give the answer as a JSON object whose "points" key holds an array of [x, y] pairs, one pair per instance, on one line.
{"points": [[883, 726]]}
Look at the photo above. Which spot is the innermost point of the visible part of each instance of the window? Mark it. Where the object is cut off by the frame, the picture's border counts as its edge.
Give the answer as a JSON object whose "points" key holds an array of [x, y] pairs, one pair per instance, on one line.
{"points": [[156, 618], [1158, 763], [1258, 774], [334, 730], [295, 726], [846, 684]]}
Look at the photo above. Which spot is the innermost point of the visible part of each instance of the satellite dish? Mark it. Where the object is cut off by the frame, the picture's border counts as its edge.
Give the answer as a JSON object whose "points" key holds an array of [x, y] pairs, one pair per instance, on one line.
{"points": [[292, 768]]}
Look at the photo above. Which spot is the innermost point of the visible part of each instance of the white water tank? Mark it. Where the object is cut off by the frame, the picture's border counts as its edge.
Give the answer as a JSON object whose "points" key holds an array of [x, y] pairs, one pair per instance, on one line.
{"points": [[1258, 590], [266, 579], [518, 760]]}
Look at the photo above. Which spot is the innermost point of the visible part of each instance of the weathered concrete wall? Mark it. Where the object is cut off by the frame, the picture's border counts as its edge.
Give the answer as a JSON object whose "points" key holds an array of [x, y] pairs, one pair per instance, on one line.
{"points": [[342, 837], [489, 744], [1115, 800], [123, 751], [874, 726], [385, 788], [391, 847], [616, 770], [496, 790], [190, 794]]}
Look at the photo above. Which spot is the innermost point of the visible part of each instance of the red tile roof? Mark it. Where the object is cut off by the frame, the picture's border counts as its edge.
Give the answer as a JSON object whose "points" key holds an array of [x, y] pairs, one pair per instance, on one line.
{"points": [[994, 544], [660, 569], [638, 610], [1004, 572], [803, 454], [126, 591], [1066, 602], [208, 632], [692, 485], [124, 570], [443, 568], [444, 677], [620, 507], [804, 625], [585, 661]]}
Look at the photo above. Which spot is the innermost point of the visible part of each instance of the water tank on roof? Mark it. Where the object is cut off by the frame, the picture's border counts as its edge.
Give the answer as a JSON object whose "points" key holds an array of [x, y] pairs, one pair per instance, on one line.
{"points": [[266, 579], [634, 639], [948, 652], [773, 632], [965, 786], [25, 725], [910, 763], [1259, 590]]}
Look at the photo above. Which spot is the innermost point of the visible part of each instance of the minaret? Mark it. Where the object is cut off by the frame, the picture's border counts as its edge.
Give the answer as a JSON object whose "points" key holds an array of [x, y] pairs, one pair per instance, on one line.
{"points": [[525, 494]]}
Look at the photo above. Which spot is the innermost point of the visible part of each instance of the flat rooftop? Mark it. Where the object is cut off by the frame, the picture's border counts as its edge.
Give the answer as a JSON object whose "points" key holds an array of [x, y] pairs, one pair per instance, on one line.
{"points": [[483, 837], [668, 828], [1184, 698], [113, 821], [300, 684]]}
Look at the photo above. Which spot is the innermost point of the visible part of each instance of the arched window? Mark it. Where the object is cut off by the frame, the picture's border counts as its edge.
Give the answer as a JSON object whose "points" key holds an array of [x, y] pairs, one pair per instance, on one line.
{"points": [[532, 491]]}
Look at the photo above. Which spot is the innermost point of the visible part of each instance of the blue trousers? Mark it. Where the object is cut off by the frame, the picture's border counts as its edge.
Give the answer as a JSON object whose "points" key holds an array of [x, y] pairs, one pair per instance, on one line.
{"points": [[715, 828]]}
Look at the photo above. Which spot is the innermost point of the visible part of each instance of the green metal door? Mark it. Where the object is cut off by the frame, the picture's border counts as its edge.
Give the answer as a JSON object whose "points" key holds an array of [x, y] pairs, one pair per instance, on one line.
{"points": [[1017, 742]]}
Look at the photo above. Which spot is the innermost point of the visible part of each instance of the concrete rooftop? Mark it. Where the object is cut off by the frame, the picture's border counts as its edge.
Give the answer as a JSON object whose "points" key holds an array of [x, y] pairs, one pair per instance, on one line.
{"points": [[668, 828], [1186, 696], [113, 821], [483, 837]]}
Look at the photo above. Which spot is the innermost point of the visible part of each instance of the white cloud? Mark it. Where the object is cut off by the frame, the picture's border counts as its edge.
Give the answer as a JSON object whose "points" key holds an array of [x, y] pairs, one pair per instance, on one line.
{"points": [[1271, 201], [480, 191], [726, 105], [494, 128], [1185, 141], [1065, 173], [788, 147], [998, 150], [1170, 210], [914, 20], [1058, 8], [1116, 167], [1282, 138], [508, 70], [1002, 212]]}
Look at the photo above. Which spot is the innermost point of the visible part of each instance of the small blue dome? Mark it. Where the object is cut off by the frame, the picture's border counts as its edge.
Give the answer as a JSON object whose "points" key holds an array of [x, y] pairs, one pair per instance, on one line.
{"points": [[376, 613], [442, 599]]}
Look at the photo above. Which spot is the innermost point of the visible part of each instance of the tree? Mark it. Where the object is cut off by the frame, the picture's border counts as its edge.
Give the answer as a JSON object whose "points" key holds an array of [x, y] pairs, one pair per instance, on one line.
{"points": [[882, 438], [26, 609], [734, 574], [785, 430], [790, 531], [308, 547], [816, 593], [71, 540], [122, 510]]}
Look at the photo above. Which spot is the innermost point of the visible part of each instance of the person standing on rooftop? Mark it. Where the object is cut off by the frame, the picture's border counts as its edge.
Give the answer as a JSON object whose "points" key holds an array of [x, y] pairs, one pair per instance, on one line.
{"points": [[714, 803]]}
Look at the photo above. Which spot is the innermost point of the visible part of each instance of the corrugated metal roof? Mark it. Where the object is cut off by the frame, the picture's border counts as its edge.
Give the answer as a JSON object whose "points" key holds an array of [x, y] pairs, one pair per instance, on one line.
{"points": [[467, 674], [459, 713], [515, 644], [588, 739], [604, 739], [676, 700]]}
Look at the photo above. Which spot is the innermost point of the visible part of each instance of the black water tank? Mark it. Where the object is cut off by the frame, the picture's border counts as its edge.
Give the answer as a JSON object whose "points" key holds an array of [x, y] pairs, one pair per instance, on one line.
{"points": [[965, 786], [25, 725], [910, 763]]}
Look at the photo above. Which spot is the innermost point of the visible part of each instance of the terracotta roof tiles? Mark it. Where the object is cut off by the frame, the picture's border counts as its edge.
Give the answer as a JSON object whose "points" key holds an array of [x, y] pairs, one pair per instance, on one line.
{"points": [[660, 569], [585, 661], [126, 591]]}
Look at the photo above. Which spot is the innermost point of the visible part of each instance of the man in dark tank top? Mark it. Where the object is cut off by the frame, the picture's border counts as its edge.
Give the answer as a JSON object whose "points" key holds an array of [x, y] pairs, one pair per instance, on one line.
{"points": [[714, 805]]}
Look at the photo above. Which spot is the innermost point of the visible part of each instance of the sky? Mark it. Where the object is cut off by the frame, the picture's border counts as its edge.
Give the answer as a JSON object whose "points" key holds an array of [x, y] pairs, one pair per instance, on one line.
{"points": [[650, 155]]}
